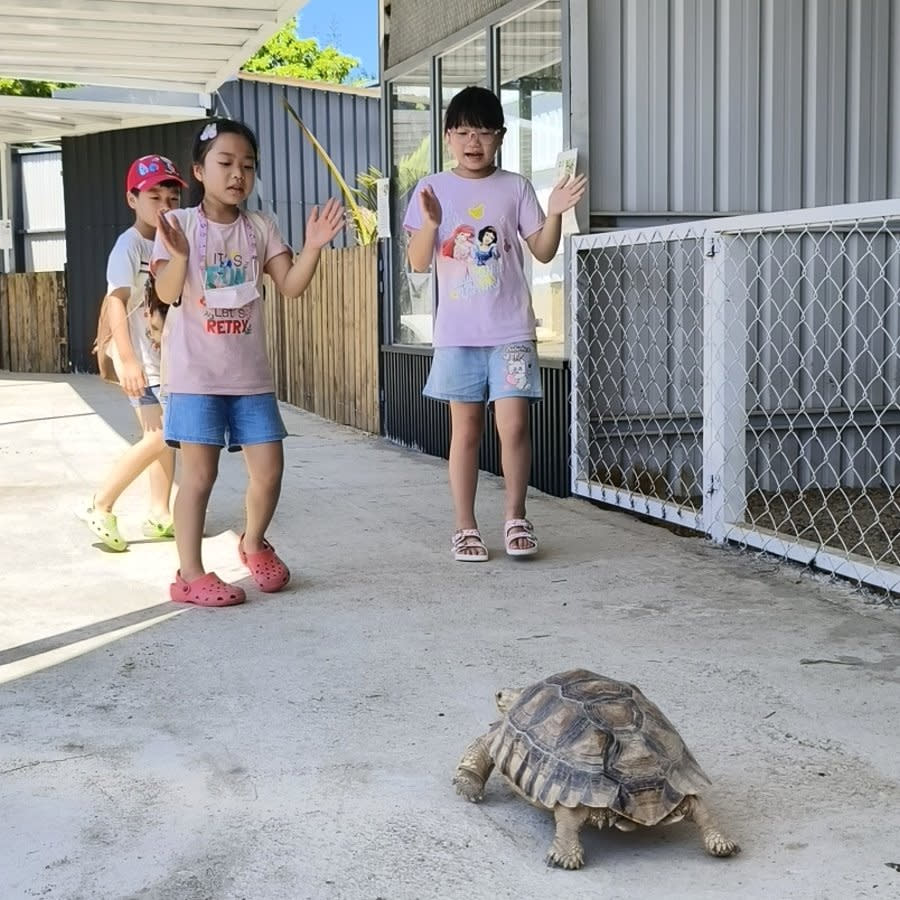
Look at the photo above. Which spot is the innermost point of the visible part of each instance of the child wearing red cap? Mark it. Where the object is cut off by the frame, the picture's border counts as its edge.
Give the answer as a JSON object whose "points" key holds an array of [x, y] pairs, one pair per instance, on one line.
{"points": [[152, 185]]}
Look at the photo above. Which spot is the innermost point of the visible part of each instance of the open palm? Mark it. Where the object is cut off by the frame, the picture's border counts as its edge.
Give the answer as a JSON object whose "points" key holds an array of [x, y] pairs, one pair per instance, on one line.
{"points": [[321, 227], [566, 194], [430, 207], [173, 238]]}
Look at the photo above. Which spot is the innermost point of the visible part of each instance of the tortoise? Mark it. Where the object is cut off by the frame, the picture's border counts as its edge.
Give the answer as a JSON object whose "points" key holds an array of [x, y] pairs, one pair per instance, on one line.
{"points": [[593, 751]]}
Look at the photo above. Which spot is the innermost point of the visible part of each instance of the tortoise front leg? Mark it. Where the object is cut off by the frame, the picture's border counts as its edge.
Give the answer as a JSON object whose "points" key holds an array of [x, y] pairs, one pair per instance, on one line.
{"points": [[473, 770], [716, 843], [566, 850]]}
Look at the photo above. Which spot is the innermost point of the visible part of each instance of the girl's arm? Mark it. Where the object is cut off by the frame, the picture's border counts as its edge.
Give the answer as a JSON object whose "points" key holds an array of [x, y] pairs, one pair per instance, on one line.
{"points": [[169, 274], [420, 249], [293, 278], [544, 243]]}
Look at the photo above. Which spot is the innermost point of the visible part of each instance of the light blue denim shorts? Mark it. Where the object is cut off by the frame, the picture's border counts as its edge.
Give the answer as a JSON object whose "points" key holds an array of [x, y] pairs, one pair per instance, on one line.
{"points": [[484, 374], [150, 397], [222, 421]]}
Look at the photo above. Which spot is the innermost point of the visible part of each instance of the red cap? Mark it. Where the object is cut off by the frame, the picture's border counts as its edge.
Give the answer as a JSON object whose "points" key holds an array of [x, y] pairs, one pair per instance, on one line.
{"points": [[148, 171]]}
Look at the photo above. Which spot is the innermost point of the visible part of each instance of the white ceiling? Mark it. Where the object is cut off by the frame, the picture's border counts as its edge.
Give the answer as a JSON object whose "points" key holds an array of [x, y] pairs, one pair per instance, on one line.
{"points": [[185, 46]]}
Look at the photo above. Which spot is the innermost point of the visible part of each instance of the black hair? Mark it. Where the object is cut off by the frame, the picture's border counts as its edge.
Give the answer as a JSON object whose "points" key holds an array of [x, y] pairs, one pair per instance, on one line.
{"points": [[203, 144], [151, 298], [476, 107], [169, 184], [485, 230]]}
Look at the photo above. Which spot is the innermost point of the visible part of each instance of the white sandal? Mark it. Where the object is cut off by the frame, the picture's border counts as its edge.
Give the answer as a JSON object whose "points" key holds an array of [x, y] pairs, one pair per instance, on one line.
{"points": [[520, 530], [469, 539]]}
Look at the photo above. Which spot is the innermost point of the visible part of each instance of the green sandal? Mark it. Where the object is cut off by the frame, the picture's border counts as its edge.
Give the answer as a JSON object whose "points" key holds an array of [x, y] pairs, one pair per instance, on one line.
{"points": [[159, 530], [106, 527]]}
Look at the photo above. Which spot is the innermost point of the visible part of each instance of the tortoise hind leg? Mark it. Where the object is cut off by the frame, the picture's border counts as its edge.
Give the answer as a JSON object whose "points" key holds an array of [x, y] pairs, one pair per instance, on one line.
{"points": [[566, 850], [716, 843], [473, 770]]}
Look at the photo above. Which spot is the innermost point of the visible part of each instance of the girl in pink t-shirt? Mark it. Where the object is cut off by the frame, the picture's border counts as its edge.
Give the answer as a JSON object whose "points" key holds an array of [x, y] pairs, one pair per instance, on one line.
{"points": [[208, 261]]}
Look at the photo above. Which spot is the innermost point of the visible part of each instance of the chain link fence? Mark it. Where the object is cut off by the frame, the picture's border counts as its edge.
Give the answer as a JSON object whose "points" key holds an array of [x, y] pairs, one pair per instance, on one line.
{"points": [[740, 377]]}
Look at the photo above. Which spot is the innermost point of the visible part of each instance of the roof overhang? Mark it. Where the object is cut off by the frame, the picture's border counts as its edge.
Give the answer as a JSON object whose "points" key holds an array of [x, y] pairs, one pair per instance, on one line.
{"points": [[25, 120], [188, 47]]}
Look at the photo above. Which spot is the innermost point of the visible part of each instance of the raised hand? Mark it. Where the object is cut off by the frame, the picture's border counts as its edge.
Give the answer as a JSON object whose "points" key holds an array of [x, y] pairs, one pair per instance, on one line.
{"points": [[566, 194], [430, 206], [323, 227], [173, 238]]}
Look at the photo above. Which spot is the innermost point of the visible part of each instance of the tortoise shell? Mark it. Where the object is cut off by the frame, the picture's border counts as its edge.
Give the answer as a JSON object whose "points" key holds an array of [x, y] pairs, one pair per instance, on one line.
{"points": [[579, 738]]}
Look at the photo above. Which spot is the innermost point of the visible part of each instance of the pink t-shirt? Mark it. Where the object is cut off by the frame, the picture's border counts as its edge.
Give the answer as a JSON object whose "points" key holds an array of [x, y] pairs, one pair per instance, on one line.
{"points": [[209, 350], [484, 299]]}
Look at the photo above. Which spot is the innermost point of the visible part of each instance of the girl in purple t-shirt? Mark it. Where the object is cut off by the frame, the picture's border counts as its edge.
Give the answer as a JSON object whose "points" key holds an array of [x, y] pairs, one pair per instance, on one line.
{"points": [[217, 378], [471, 222]]}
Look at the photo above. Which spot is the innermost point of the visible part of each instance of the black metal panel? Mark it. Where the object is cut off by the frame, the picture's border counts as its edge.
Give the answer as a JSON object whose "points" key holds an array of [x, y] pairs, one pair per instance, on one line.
{"points": [[292, 179], [424, 424], [94, 168]]}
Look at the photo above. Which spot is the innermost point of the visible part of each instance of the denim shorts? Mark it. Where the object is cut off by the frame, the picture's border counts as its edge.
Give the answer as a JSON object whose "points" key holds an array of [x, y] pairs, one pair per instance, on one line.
{"points": [[484, 374], [222, 421], [150, 397]]}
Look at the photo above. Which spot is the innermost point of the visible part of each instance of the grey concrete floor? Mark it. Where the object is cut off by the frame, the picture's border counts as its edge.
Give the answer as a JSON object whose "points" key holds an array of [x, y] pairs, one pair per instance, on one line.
{"points": [[302, 746]]}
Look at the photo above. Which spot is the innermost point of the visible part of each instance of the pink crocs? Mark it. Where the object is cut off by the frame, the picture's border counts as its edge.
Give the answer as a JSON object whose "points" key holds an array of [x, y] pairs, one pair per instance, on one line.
{"points": [[268, 571], [207, 590]]}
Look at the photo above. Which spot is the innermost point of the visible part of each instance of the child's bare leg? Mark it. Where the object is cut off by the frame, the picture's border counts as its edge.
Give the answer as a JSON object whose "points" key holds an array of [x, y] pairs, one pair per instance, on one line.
{"points": [[466, 428], [265, 466], [135, 459], [162, 477], [511, 414], [199, 468]]}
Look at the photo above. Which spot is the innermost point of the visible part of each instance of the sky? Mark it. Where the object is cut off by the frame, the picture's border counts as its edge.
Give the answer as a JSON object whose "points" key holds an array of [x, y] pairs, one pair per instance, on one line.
{"points": [[354, 31]]}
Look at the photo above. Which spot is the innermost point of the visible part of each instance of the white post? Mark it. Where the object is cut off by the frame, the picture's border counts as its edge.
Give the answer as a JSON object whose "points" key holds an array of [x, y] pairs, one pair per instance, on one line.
{"points": [[724, 386], [6, 205], [575, 411]]}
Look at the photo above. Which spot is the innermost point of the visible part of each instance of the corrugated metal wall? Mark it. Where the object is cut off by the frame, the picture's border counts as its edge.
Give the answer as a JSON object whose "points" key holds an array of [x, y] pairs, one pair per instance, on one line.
{"points": [[417, 24], [704, 106], [292, 179], [43, 215]]}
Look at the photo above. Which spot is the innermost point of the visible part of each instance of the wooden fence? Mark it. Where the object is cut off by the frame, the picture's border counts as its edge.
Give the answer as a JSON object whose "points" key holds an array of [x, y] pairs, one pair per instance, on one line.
{"points": [[33, 328], [324, 345]]}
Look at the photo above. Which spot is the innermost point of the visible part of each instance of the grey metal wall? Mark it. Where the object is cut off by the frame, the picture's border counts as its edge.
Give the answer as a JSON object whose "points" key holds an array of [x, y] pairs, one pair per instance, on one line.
{"points": [[41, 222], [291, 179], [416, 24], [706, 106]]}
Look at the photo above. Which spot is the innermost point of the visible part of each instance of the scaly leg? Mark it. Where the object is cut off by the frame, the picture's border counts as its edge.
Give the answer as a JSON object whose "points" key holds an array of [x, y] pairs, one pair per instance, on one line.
{"points": [[473, 770], [716, 843], [566, 850]]}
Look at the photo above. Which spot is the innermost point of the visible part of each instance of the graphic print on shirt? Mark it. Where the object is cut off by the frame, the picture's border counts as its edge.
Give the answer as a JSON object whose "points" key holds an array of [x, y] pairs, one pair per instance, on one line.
{"points": [[475, 255], [519, 361], [222, 320], [226, 270]]}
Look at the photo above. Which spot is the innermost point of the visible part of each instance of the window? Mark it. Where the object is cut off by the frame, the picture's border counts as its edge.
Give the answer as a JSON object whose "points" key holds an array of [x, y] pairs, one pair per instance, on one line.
{"points": [[411, 127], [530, 57], [464, 66]]}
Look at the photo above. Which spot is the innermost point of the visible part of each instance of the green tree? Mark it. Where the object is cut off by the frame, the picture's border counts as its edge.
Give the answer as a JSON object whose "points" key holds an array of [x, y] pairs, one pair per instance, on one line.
{"points": [[290, 56], [19, 88]]}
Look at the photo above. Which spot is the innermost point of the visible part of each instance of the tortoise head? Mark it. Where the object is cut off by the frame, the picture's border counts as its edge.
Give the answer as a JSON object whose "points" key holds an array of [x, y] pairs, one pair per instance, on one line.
{"points": [[505, 698]]}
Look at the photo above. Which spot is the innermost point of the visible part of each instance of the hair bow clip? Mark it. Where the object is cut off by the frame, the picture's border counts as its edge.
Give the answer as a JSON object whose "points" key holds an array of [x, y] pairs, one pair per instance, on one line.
{"points": [[209, 132]]}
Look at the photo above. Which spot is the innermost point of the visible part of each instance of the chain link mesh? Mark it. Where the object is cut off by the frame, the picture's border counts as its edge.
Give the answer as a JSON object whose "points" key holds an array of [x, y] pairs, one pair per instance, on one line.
{"points": [[816, 348]]}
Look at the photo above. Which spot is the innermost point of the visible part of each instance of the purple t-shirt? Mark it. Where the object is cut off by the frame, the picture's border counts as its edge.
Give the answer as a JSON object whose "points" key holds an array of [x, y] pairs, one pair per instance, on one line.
{"points": [[484, 299]]}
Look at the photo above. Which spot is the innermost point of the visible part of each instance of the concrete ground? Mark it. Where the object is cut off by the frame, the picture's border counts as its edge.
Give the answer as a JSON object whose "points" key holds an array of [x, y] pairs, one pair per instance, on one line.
{"points": [[302, 746]]}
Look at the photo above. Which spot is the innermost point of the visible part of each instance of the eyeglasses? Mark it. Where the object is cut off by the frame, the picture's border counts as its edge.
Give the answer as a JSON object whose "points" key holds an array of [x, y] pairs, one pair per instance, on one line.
{"points": [[480, 134]]}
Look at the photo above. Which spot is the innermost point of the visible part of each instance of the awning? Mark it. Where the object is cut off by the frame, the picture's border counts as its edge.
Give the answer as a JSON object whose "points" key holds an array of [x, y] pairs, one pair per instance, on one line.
{"points": [[189, 47], [27, 120]]}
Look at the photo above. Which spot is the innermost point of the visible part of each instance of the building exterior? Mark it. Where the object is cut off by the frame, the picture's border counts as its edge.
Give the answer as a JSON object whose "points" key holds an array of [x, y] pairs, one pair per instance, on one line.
{"points": [[679, 110], [291, 178], [39, 216]]}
